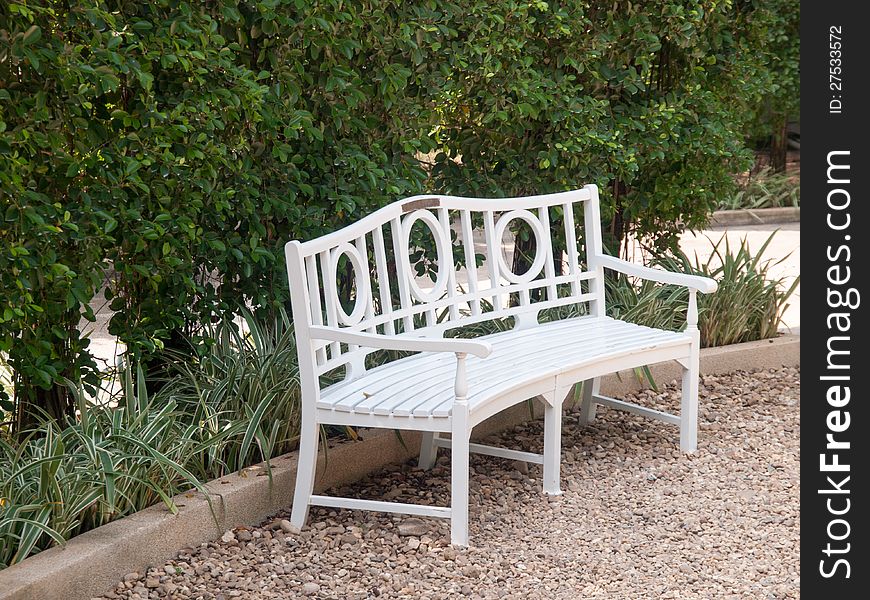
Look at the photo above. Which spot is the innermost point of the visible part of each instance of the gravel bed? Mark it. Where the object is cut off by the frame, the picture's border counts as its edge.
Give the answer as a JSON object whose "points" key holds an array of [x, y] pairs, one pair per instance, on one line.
{"points": [[638, 518]]}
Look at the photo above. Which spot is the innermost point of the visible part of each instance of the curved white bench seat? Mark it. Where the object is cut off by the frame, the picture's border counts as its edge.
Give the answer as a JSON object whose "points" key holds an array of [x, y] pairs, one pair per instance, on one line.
{"points": [[417, 392], [451, 385]]}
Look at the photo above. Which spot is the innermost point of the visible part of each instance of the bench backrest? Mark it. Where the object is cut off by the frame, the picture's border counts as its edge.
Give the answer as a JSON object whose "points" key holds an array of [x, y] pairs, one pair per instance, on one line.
{"points": [[390, 297]]}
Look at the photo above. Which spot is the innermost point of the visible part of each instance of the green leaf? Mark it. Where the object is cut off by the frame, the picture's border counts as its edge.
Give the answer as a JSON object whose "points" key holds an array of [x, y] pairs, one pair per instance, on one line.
{"points": [[32, 35]]}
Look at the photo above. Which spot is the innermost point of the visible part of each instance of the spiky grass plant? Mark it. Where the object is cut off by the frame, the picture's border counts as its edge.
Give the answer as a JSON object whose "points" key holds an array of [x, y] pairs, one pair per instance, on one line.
{"points": [[236, 405], [748, 305], [242, 395], [65, 478], [765, 189]]}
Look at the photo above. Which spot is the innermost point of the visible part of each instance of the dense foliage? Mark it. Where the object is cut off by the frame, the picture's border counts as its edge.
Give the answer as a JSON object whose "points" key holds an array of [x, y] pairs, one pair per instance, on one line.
{"points": [[781, 104], [649, 103], [171, 147]]}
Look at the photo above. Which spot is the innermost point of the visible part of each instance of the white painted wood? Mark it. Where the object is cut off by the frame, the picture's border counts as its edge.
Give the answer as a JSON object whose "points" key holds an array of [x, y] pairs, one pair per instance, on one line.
{"points": [[442, 246], [372, 340], [594, 249], [401, 254], [428, 450], [459, 437], [310, 429], [434, 392], [449, 266], [379, 506], [529, 457], [383, 275], [549, 266], [552, 448], [637, 410], [689, 398], [470, 261], [314, 302], [693, 282], [590, 390], [692, 312], [493, 251], [330, 293]]}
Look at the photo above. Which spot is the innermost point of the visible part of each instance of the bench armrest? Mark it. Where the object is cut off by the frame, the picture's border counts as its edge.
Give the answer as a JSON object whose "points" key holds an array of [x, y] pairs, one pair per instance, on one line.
{"points": [[388, 342], [705, 285]]}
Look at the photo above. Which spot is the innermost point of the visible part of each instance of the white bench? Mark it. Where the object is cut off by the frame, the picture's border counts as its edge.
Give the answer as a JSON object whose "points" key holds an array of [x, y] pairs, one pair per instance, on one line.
{"points": [[452, 384]]}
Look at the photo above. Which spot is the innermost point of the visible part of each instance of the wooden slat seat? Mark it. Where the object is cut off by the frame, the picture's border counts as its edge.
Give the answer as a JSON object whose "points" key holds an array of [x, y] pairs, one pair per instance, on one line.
{"points": [[421, 386]]}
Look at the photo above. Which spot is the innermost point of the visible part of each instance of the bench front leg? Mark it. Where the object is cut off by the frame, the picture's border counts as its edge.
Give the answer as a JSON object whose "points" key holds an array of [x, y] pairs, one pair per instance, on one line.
{"points": [[552, 447], [306, 468], [691, 372], [459, 449]]}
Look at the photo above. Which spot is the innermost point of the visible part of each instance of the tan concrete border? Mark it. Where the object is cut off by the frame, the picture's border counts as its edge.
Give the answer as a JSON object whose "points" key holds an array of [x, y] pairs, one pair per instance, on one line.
{"points": [[93, 562], [758, 216]]}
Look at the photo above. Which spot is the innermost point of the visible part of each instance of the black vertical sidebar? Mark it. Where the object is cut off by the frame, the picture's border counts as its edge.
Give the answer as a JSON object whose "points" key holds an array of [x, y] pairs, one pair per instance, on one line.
{"points": [[835, 298]]}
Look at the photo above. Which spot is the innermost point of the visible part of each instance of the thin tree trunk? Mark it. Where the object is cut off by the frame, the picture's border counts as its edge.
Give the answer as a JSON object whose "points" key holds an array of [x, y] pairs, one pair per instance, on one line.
{"points": [[618, 224], [779, 144]]}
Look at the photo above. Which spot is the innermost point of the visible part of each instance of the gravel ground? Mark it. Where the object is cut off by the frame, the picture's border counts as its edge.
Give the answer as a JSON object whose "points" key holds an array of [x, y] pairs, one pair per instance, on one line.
{"points": [[638, 519]]}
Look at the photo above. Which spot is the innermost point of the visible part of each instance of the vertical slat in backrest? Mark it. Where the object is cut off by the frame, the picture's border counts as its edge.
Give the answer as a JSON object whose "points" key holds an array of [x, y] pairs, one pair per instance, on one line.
{"points": [[467, 234], [401, 259], [362, 249], [493, 249], [549, 266], [383, 277], [377, 253], [571, 242], [592, 228], [453, 308]]}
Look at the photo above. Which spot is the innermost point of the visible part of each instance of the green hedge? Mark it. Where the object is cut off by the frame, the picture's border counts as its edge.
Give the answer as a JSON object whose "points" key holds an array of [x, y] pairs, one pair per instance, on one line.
{"points": [[174, 146]]}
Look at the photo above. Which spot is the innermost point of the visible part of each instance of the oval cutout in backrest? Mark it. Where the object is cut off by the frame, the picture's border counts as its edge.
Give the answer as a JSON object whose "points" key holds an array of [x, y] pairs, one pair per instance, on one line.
{"points": [[541, 245], [442, 247], [359, 288]]}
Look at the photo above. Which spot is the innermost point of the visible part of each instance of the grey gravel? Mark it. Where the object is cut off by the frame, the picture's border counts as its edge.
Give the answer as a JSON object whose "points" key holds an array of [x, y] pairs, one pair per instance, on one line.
{"points": [[638, 518]]}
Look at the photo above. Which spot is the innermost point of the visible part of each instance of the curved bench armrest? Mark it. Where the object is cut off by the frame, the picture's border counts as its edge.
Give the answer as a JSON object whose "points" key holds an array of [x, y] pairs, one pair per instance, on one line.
{"points": [[705, 285], [385, 342]]}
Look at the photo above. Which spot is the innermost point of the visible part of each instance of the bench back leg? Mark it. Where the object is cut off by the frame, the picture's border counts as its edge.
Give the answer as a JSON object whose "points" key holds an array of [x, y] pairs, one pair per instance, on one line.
{"points": [[591, 387], [428, 450], [689, 402], [305, 471]]}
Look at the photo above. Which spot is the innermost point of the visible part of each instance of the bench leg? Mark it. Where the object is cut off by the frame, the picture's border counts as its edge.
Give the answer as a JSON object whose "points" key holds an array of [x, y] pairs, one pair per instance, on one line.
{"points": [[459, 449], [591, 387], [689, 403], [428, 450], [305, 470], [552, 448]]}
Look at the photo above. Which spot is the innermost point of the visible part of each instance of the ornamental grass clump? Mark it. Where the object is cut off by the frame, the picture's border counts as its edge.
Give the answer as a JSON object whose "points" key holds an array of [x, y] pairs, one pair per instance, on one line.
{"points": [[765, 189], [63, 479], [241, 395], [236, 404]]}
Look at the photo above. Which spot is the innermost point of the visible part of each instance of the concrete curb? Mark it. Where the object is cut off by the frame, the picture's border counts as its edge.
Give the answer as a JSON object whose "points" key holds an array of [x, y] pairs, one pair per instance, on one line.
{"points": [[759, 216], [93, 562]]}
